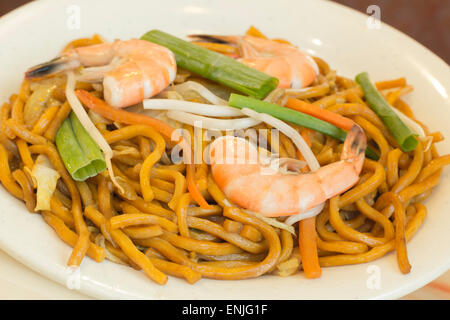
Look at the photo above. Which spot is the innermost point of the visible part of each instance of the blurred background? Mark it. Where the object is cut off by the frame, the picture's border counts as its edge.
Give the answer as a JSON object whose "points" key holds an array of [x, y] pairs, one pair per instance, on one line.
{"points": [[426, 21]]}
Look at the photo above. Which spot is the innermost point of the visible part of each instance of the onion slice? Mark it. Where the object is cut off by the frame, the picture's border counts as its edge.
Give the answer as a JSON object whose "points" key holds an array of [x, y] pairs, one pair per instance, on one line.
{"points": [[193, 107], [211, 123], [314, 211], [272, 221], [201, 90]]}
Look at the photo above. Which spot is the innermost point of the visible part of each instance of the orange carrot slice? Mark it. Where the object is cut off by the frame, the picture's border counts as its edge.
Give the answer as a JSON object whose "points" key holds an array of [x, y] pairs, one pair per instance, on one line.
{"points": [[322, 114]]}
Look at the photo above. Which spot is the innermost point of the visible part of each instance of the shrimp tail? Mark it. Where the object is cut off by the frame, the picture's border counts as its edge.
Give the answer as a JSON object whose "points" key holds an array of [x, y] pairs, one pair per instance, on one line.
{"points": [[354, 147], [59, 64]]}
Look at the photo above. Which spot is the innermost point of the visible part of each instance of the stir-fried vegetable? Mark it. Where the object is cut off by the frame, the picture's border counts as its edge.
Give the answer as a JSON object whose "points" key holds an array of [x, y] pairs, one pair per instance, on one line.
{"points": [[120, 115], [293, 116], [193, 107], [211, 123], [87, 124], [401, 133], [45, 177], [215, 66], [37, 104], [314, 211], [308, 248], [416, 128], [323, 114], [272, 221], [81, 156], [307, 235], [239, 101], [218, 47], [201, 90]]}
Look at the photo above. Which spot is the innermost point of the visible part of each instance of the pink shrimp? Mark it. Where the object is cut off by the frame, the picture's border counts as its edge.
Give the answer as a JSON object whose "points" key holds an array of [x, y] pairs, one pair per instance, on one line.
{"points": [[293, 67], [281, 194], [132, 70]]}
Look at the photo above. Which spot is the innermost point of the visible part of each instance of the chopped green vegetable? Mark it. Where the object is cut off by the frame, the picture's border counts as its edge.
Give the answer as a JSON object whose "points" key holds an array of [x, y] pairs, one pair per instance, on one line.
{"points": [[215, 66], [80, 154], [302, 119], [286, 114], [405, 137]]}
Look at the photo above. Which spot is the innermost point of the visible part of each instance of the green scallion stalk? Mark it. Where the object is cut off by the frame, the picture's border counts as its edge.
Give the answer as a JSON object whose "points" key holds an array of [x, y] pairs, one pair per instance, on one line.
{"points": [[289, 115], [405, 137], [80, 154], [215, 66]]}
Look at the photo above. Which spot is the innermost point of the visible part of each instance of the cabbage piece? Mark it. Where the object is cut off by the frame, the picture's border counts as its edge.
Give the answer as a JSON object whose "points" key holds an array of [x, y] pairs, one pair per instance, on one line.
{"points": [[45, 178]]}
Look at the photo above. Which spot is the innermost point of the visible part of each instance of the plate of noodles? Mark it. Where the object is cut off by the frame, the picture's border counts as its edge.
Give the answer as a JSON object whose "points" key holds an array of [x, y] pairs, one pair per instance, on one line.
{"points": [[222, 150]]}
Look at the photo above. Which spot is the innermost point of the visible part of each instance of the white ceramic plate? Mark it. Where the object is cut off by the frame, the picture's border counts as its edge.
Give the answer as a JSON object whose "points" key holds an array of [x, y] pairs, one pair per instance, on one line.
{"points": [[37, 31]]}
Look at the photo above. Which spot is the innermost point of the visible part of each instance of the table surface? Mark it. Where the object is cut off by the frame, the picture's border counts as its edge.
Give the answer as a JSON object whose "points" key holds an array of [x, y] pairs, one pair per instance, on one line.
{"points": [[426, 21]]}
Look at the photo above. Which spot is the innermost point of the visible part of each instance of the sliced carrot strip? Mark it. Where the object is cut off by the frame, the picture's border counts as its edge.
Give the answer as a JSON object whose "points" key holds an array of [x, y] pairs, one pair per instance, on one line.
{"points": [[308, 248], [306, 135], [307, 236], [218, 47], [252, 31], [389, 84], [323, 114]]}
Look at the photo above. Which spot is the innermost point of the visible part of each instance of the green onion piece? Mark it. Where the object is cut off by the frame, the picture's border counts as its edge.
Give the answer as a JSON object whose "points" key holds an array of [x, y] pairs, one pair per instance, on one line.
{"points": [[286, 114], [215, 66], [81, 155], [405, 137]]}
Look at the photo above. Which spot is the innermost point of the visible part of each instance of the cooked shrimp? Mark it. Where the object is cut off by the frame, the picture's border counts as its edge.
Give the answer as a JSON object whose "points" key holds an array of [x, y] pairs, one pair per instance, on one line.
{"points": [[131, 70], [246, 182], [293, 67]]}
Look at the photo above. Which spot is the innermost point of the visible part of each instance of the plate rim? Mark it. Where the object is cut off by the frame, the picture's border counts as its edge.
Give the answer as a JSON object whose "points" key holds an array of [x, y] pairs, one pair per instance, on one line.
{"points": [[430, 276]]}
